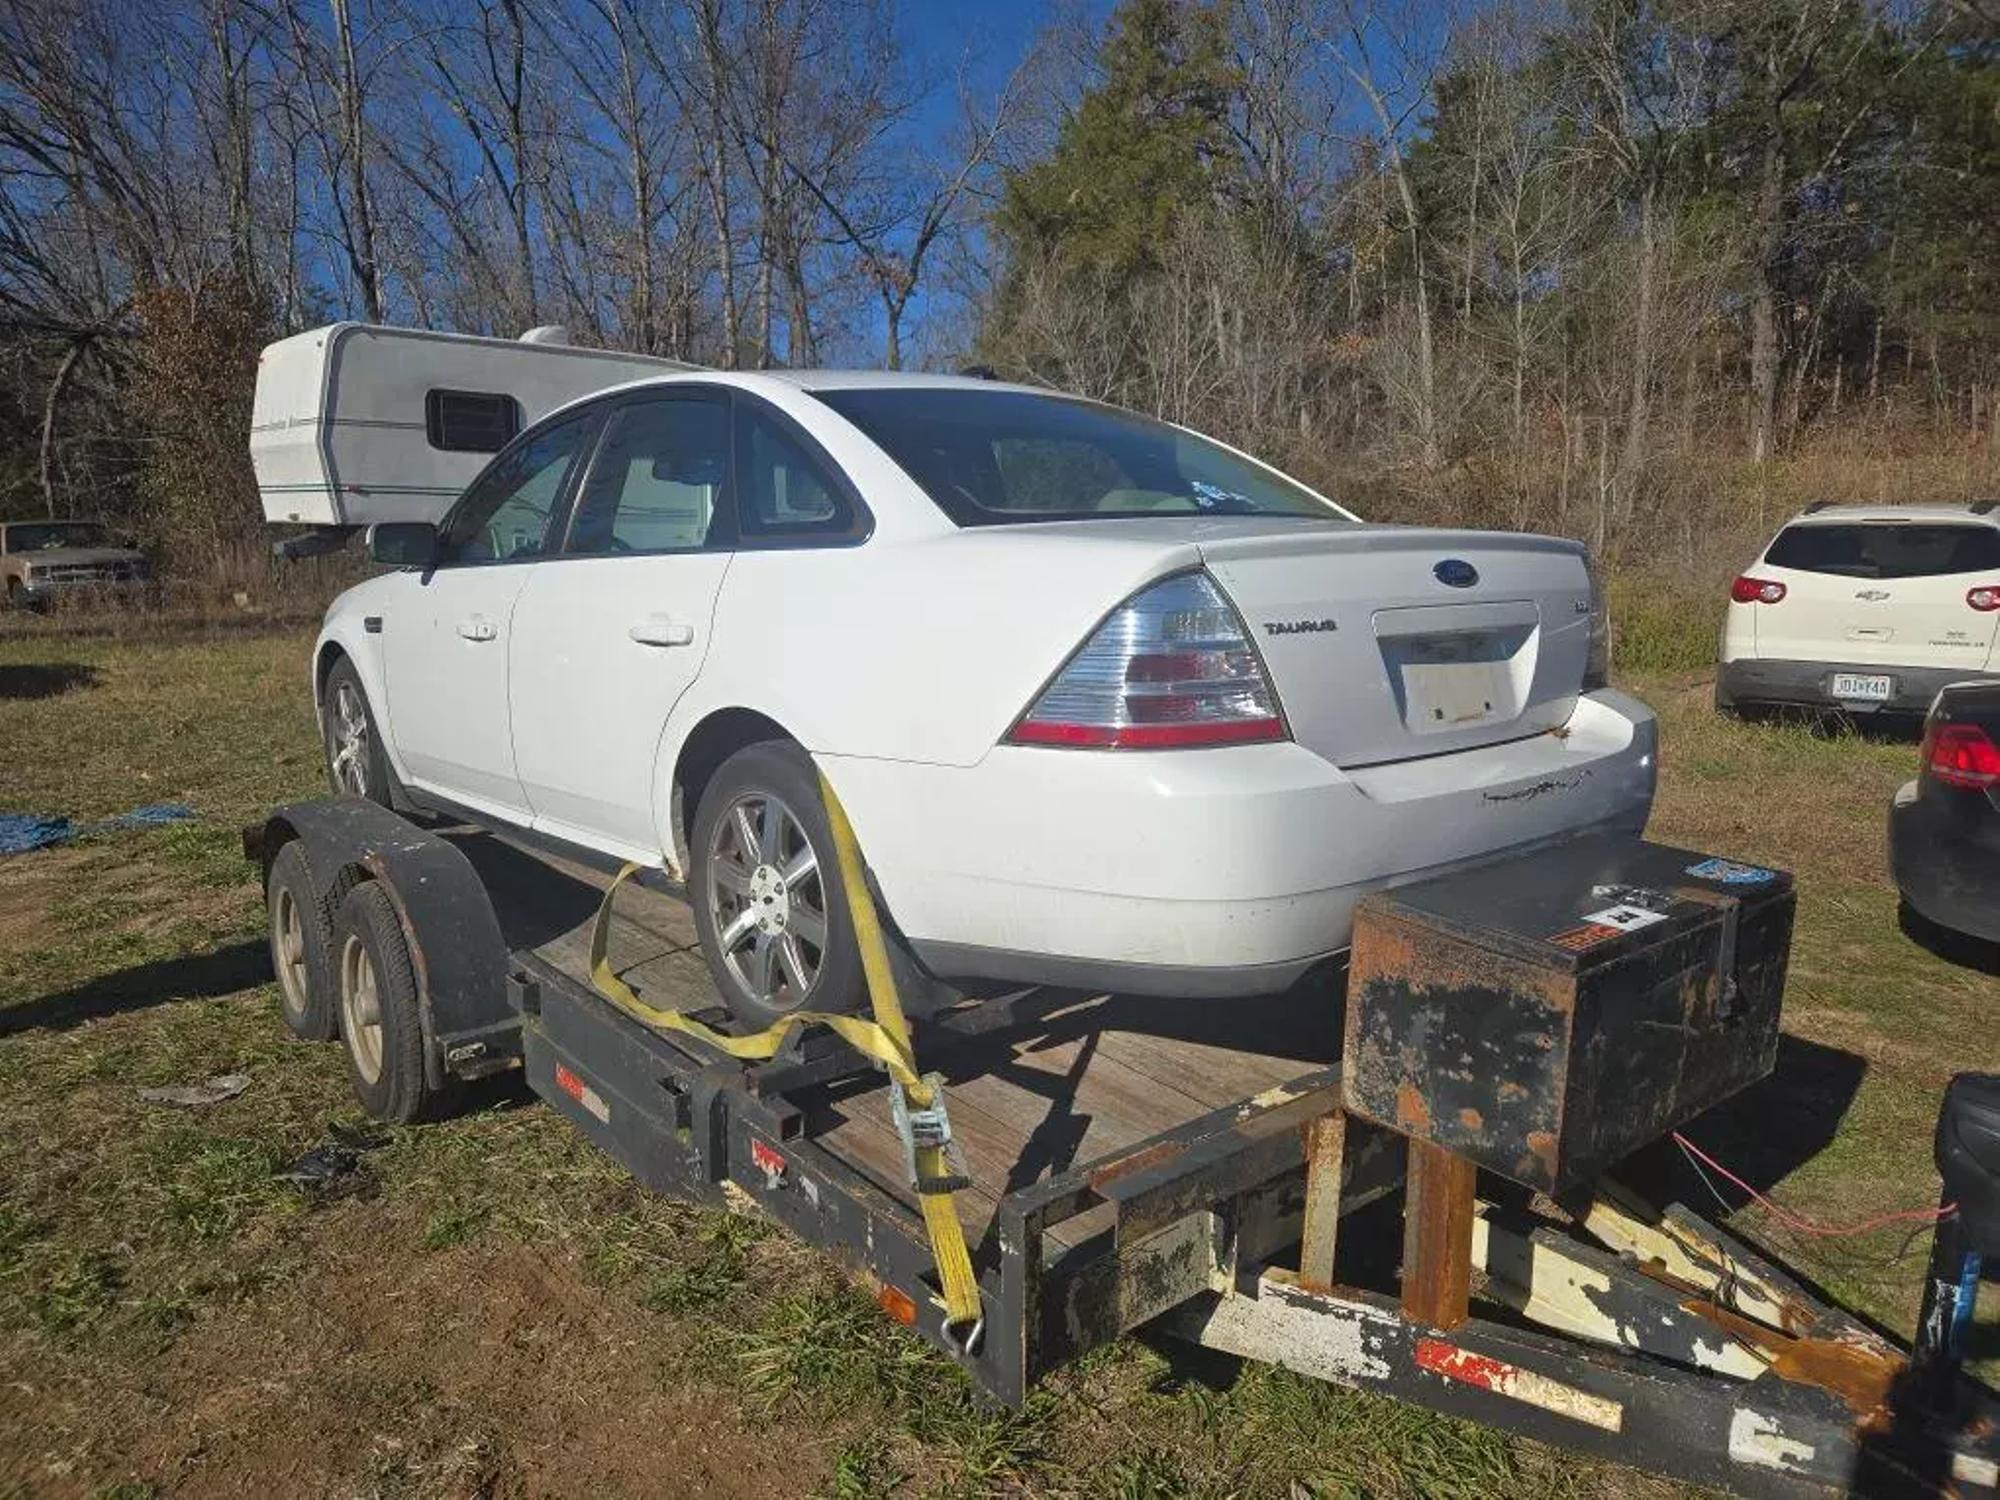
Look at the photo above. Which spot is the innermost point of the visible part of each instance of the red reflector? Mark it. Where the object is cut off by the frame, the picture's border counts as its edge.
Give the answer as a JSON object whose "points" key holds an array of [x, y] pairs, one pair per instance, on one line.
{"points": [[1748, 590], [897, 1304], [1961, 755], [568, 1082], [1985, 598], [1148, 736]]}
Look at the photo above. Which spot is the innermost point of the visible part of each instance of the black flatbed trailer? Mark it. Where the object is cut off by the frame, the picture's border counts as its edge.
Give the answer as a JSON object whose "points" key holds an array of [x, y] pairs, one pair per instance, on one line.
{"points": [[1136, 1161]]}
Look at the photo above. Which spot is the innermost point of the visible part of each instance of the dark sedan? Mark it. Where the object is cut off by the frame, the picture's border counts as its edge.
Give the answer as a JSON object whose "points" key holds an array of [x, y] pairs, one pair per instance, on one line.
{"points": [[1944, 827]]}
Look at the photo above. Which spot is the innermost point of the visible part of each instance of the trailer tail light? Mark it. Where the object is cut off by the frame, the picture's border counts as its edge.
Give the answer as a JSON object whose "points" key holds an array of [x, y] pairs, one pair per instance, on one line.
{"points": [[1748, 590], [1172, 668], [1985, 598], [1961, 755]]}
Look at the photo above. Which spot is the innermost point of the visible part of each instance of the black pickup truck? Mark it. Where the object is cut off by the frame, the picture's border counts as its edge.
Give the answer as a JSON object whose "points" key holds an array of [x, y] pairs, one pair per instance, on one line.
{"points": [[1944, 827]]}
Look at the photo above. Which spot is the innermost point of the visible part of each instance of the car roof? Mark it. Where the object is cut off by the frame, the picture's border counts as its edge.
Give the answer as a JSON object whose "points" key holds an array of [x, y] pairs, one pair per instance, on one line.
{"points": [[1833, 515]]}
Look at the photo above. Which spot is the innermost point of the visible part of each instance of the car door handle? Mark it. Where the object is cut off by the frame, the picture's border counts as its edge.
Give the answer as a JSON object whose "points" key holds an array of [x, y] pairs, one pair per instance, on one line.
{"points": [[658, 630], [478, 628]]}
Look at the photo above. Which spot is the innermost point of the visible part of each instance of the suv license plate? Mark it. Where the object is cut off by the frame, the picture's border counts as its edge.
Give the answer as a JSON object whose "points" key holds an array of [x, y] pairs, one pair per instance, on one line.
{"points": [[1861, 687]]}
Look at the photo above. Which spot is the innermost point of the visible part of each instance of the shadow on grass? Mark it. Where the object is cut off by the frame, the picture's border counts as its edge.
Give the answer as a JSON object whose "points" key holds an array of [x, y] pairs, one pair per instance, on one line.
{"points": [[45, 679], [1958, 948], [1763, 1134], [192, 976]]}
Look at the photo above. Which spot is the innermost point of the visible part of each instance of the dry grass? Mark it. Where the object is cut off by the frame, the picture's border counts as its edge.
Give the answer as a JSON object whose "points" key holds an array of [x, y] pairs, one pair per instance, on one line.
{"points": [[503, 1311]]}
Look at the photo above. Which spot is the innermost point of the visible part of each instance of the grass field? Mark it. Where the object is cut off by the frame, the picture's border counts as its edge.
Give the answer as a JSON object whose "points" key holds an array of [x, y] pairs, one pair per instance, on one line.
{"points": [[499, 1311]]}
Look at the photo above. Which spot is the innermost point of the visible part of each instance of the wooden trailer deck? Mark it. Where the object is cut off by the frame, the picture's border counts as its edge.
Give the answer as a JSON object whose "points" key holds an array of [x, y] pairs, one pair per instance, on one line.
{"points": [[1062, 1078]]}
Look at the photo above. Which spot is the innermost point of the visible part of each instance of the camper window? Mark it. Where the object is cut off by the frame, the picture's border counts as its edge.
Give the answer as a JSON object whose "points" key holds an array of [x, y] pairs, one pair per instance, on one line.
{"points": [[470, 421], [655, 480]]}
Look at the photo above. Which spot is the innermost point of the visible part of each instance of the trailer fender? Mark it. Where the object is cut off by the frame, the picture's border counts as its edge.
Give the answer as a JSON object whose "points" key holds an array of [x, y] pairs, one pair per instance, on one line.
{"points": [[456, 947]]}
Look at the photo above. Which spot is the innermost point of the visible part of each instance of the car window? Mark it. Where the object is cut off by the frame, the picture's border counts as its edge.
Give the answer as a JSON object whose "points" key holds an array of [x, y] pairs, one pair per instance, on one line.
{"points": [[506, 513], [991, 457], [655, 480], [783, 489], [1886, 549]]}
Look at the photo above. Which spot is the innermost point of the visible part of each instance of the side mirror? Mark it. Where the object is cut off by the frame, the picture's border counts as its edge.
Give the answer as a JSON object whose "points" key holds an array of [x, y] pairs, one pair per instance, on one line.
{"points": [[403, 544]]}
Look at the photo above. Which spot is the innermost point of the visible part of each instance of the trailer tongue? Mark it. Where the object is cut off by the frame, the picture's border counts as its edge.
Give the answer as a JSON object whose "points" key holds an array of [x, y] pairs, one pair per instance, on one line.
{"points": [[1226, 1173]]}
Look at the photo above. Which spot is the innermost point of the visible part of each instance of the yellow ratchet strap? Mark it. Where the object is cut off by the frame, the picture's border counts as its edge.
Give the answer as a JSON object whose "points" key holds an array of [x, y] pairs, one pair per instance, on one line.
{"points": [[886, 1039]]}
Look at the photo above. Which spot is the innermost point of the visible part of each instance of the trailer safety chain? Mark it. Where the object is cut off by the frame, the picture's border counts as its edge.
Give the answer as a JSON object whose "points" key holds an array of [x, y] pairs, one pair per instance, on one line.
{"points": [[935, 1164]]}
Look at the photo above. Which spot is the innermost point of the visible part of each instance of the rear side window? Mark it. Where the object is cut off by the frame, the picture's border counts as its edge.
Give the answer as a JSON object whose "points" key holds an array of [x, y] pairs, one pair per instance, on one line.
{"points": [[1887, 549], [785, 491], [470, 421]]}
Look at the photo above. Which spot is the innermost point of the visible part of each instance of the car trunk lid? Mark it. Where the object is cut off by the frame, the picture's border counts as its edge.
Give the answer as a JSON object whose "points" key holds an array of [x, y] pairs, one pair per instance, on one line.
{"points": [[1387, 643]]}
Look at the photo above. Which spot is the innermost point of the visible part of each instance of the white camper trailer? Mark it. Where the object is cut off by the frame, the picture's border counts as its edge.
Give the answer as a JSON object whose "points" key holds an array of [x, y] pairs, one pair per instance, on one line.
{"points": [[356, 423]]}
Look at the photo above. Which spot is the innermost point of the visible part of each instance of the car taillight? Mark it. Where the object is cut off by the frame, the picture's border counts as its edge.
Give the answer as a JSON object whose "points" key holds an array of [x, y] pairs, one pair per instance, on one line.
{"points": [[1748, 590], [1985, 598], [1171, 668], [1961, 755]]}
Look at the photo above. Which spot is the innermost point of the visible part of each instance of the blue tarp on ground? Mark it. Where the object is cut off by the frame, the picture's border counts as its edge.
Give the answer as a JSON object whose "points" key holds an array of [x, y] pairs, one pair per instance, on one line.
{"points": [[20, 832]]}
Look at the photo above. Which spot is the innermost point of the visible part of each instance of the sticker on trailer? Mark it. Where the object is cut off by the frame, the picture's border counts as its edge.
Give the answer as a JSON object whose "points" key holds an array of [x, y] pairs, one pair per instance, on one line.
{"points": [[1728, 872], [592, 1101], [1625, 917], [1502, 1379]]}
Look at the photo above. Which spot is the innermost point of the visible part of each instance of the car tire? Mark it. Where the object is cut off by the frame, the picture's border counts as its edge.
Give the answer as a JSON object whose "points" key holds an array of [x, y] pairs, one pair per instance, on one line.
{"points": [[774, 923], [356, 764], [301, 932], [379, 1010]]}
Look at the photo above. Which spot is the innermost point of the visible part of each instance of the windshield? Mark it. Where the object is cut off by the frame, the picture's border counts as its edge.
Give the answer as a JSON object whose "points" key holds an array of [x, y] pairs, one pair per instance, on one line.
{"points": [[1886, 549], [41, 536], [991, 457]]}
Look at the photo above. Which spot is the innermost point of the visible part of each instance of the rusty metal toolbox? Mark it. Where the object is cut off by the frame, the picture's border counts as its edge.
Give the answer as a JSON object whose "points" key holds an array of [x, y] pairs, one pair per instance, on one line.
{"points": [[1549, 1014]]}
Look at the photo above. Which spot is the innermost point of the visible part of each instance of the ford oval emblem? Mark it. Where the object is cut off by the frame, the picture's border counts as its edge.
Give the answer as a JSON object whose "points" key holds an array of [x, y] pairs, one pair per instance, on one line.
{"points": [[1456, 573]]}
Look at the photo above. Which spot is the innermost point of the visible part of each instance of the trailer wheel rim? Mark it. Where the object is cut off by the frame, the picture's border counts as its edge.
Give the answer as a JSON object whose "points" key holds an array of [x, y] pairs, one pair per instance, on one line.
{"points": [[289, 949], [767, 900], [347, 740], [361, 1009]]}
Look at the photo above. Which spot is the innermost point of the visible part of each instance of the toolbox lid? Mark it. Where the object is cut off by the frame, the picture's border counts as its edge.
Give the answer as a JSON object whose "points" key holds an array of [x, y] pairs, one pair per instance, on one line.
{"points": [[1583, 903]]}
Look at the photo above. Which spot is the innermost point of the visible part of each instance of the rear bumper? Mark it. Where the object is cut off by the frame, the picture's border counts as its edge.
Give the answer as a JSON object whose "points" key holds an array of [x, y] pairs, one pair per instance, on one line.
{"points": [[1751, 681], [1944, 851], [1213, 872]]}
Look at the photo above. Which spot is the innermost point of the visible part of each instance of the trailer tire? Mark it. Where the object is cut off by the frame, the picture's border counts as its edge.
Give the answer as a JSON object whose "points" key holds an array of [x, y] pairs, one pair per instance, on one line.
{"points": [[301, 931], [379, 1007], [781, 771]]}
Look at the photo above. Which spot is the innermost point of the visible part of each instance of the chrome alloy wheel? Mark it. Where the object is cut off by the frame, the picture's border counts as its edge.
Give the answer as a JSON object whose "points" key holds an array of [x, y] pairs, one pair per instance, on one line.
{"points": [[767, 900], [361, 1009], [347, 740], [289, 949]]}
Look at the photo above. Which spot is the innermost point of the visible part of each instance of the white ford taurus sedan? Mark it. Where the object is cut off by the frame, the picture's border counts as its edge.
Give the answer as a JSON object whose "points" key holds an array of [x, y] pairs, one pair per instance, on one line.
{"points": [[1108, 703]]}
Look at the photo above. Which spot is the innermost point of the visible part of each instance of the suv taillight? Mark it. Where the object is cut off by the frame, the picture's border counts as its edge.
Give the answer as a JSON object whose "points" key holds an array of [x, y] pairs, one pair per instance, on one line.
{"points": [[1748, 590], [1961, 755], [1171, 668], [1985, 598]]}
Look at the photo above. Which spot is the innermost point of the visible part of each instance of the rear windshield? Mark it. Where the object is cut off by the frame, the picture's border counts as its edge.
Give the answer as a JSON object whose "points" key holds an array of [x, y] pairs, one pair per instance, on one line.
{"points": [[1887, 549], [994, 457]]}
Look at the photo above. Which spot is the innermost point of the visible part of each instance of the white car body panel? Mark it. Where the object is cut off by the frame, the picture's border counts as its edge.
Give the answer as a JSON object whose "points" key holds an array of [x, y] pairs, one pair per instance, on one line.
{"points": [[901, 663], [593, 700]]}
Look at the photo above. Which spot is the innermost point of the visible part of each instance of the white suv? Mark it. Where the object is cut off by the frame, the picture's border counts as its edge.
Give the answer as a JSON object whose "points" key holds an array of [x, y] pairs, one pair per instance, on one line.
{"points": [[1868, 608]]}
